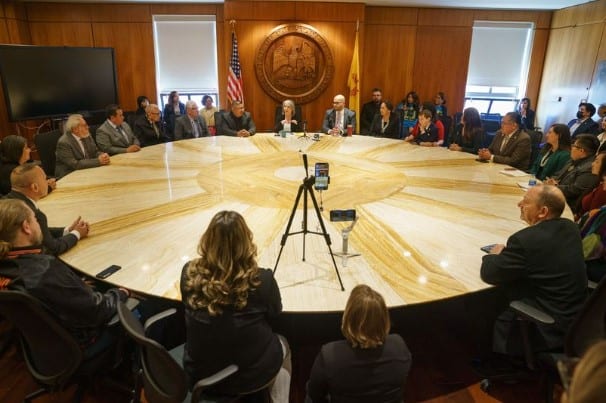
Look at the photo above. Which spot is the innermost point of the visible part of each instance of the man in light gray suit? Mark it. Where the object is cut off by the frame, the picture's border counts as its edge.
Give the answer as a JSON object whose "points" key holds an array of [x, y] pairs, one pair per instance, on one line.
{"points": [[190, 125], [337, 119], [76, 149], [115, 136]]}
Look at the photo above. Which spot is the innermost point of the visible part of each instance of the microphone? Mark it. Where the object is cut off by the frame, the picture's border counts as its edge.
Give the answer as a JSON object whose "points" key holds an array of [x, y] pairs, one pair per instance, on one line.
{"points": [[304, 123], [305, 164]]}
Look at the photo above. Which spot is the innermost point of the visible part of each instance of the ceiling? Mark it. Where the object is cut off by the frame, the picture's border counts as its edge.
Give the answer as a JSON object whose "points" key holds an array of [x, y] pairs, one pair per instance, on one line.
{"points": [[476, 4]]}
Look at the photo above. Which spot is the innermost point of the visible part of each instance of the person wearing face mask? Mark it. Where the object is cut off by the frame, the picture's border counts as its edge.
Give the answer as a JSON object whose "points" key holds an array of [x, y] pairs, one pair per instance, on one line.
{"points": [[584, 124], [76, 149]]}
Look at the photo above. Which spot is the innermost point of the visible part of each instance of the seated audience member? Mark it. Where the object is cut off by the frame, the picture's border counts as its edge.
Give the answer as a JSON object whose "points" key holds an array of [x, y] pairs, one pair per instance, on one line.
{"points": [[437, 122], [541, 265], [526, 114], [148, 129], [597, 197], [469, 133], [386, 123], [208, 114], [370, 365], [337, 119], [237, 122], [592, 225], [82, 311], [76, 149], [439, 104], [602, 111], [228, 302], [287, 122], [29, 185], [142, 104], [602, 136], [14, 151], [575, 179], [554, 154], [584, 124], [510, 146], [427, 133], [115, 136], [587, 385], [172, 110], [409, 110], [370, 110], [190, 125]]}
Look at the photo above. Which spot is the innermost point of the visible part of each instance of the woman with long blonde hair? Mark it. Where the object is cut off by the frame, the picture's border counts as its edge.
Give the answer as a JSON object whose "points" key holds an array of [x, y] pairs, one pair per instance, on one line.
{"points": [[228, 300]]}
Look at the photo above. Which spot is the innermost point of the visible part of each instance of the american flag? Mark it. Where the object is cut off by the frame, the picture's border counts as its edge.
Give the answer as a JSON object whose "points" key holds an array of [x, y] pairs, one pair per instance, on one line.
{"points": [[234, 78]]}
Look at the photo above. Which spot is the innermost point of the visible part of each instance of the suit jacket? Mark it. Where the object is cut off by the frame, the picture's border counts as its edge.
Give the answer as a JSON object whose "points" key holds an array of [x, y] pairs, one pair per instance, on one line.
{"points": [[369, 110], [169, 118], [229, 125], [554, 164], [144, 130], [349, 118], [185, 130], [298, 127], [53, 240], [392, 130], [516, 152], [575, 180], [543, 265], [589, 126], [70, 157], [111, 141], [528, 121]]}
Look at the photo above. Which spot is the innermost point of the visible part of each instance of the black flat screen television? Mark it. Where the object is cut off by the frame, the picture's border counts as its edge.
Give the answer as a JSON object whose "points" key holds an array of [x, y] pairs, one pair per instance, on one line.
{"points": [[48, 81]]}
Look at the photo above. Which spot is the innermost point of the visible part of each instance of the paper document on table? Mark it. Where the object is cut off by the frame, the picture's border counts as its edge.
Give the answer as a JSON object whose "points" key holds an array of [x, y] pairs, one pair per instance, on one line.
{"points": [[513, 172]]}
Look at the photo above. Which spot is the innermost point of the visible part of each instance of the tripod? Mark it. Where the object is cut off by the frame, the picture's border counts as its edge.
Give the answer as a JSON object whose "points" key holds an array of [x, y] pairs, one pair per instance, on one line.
{"points": [[306, 189]]}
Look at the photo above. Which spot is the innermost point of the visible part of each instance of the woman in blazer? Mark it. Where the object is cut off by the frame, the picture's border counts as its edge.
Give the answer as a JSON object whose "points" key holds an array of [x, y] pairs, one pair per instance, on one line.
{"points": [[386, 123], [554, 154]]}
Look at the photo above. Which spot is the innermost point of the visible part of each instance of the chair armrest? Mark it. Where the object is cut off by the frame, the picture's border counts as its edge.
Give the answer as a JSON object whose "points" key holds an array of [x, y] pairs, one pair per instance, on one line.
{"points": [[531, 313], [217, 377], [151, 321], [131, 303]]}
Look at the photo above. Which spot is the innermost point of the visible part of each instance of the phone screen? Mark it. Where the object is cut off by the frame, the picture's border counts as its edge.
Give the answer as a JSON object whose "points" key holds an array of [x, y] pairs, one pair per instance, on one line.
{"points": [[321, 174]]}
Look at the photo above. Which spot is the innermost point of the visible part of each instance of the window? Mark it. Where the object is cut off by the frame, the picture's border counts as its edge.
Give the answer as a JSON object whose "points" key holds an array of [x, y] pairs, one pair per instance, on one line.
{"points": [[186, 57], [498, 65]]}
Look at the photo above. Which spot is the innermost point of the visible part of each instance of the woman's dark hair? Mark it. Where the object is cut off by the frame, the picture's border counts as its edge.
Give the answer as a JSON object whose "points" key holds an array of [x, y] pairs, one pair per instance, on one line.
{"points": [[441, 95], [11, 148], [522, 101], [473, 122], [140, 99], [415, 99], [602, 171], [171, 97], [564, 140], [204, 98], [388, 105]]}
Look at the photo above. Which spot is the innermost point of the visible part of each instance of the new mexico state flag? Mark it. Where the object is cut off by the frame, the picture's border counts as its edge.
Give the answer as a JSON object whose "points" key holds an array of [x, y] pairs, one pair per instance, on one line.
{"points": [[353, 82]]}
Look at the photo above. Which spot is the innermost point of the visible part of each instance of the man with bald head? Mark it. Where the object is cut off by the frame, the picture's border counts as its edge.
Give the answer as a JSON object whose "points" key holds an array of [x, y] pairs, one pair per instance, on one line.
{"points": [[542, 265], [338, 118], [29, 185]]}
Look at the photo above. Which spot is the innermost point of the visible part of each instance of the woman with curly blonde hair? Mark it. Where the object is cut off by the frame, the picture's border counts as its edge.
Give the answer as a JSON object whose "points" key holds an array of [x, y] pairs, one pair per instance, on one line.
{"points": [[228, 300]]}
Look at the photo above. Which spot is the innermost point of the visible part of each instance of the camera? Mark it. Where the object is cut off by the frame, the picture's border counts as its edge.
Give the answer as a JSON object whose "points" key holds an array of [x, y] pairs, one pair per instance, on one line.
{"points": [[342, 215]]}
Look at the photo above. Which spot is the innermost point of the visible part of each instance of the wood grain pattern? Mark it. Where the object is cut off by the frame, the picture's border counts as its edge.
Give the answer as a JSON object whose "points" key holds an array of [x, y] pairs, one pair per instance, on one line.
{"points": [[445, 17], [591, 13], [61, 34], [392, 15], [535, 70]]}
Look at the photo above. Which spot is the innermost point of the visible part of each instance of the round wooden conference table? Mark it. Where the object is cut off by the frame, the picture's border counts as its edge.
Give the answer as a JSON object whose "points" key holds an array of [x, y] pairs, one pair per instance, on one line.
{"points": [[423, 215]]}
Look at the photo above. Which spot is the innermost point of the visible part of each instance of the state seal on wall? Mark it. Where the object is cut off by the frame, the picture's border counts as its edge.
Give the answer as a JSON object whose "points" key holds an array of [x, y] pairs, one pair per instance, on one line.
{"points": [[294, 62]]}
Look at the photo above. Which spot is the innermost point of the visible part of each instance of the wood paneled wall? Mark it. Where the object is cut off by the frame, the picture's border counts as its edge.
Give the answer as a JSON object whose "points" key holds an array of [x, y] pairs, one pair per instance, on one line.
{"points": [[577, 43], [401, 49]]}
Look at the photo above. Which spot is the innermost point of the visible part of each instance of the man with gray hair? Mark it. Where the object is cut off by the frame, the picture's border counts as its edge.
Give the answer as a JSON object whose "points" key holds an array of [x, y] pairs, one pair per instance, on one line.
{"points": [[148, 129], [543, 266], [76, 149], [191, 125]]}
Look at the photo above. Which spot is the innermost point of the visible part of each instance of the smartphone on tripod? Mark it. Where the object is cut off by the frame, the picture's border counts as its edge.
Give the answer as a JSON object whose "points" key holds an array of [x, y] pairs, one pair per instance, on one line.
{"points": [[322, 177]]}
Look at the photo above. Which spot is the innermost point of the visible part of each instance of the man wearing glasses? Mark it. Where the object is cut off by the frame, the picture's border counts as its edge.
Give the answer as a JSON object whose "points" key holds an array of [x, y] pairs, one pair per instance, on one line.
{"points": [[339, 118], [576, 179], [511, 146], [147, 127]]}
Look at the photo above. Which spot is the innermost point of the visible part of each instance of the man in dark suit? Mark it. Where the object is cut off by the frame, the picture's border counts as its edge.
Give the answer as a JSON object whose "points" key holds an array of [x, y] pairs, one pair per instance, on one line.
{"points": [[543, 266], [337, 119], [369, 110], [29, 185], [191, 125], [147, 127], [237, 122], [115, 136], [76, 149], [511, 146], [584, 124]]}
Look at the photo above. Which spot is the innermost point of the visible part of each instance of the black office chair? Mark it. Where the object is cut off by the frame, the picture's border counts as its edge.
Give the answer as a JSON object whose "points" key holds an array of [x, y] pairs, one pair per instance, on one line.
{"points": [[46, 144], [52, 355], [164, 380], [536, 136], [447, 122], [218, 121], [588, 328]]}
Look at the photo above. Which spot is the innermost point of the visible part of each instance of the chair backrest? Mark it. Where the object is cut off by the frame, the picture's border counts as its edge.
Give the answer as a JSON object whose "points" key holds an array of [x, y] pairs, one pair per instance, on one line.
{"points": [[298, 114], [163, 378], [447, 122], [589, 326], [46, 144], [51, 352], [536, 137], [218, 120], [495, 117]]}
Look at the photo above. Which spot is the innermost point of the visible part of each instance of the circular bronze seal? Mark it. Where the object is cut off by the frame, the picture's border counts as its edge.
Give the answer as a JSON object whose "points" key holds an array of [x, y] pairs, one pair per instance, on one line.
{"points": [[294, 62]]}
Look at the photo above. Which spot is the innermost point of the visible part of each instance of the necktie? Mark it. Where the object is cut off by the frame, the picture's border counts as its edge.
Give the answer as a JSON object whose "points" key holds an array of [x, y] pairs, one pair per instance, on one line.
{"points": [[83, 148], [504, 142], [194, 125], [155, 129], [123, 133], [340, 119]]}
